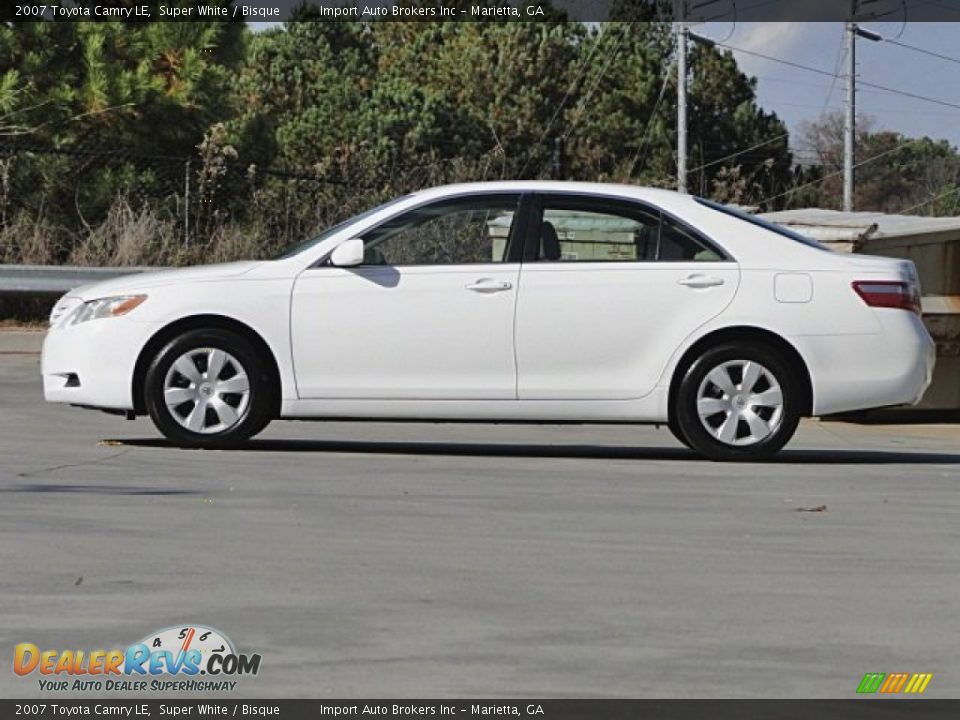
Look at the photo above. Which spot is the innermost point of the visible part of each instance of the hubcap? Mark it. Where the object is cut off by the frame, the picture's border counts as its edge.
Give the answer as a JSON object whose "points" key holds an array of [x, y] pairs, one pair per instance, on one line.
{"points": [[740, 402], [206, 390]]}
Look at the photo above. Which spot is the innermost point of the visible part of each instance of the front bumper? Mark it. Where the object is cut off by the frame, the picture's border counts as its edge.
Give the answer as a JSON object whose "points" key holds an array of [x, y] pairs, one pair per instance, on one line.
{"points": [[93, 363]]}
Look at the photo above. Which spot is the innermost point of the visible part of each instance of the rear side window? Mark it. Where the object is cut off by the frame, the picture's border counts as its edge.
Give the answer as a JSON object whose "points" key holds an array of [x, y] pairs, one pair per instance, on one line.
{"points": [[760, 222], [596, 229], [679, 243]]}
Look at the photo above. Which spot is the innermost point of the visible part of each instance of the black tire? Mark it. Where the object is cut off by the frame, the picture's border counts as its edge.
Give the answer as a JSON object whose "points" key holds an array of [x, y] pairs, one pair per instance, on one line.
{"points": [[249, 416], [784, 420], [674, 424]]}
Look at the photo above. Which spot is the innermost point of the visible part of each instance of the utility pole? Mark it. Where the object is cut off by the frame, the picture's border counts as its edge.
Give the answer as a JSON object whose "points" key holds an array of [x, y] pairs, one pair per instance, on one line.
{"points": [[682, 106], [852, 32], [850, 118], [683, 36]]}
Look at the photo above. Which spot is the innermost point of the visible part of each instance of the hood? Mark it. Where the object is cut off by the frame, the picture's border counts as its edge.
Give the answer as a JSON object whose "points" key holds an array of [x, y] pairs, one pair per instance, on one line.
{"points": [[135, 282]]}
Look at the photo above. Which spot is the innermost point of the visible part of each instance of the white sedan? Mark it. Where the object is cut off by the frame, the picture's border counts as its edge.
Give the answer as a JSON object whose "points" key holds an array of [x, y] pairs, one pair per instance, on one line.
{"points": [[507, 301]]}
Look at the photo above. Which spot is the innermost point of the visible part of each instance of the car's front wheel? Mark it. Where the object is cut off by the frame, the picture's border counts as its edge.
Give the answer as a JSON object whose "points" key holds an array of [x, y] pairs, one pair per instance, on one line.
{"points": [[738, 402], [674, 424], [208, 388]]}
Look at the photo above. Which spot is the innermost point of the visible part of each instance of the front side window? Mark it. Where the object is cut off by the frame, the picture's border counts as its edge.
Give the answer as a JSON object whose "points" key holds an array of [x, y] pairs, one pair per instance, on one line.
{"points": [[601, 230], [461, 231]]}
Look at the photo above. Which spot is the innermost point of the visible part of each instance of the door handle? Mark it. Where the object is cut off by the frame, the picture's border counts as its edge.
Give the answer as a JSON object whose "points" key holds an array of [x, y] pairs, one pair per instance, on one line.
{"points": [[700, 281], [485, 285]]}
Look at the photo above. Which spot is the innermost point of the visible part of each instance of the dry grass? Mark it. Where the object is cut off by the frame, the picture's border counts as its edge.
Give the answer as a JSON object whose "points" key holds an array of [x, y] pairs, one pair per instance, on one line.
{"points": [[139, 237], [30, 242], [151, 233], [130, 236], [126, 237]]}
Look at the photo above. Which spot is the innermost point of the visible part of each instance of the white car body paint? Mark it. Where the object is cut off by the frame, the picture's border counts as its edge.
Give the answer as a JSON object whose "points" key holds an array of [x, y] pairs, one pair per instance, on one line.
{"points": [[564, 341]]}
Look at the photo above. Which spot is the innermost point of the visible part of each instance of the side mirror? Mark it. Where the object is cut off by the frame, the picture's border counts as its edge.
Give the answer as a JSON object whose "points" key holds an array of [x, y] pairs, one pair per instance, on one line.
{"points": [[348, 254]]}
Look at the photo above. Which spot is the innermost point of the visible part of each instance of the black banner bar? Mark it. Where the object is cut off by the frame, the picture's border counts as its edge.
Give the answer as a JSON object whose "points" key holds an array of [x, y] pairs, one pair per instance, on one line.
{"points": [[854, 709], [693, 11]]}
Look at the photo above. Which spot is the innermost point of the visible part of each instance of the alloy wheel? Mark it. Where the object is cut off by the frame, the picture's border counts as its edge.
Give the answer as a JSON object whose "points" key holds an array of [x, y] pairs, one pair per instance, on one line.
{"points": [[740, 402], [206, 390]]}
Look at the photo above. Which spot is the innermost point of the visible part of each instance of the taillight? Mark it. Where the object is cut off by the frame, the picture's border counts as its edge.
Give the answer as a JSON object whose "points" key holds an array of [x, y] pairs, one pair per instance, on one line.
{"points": [[886, 294]]}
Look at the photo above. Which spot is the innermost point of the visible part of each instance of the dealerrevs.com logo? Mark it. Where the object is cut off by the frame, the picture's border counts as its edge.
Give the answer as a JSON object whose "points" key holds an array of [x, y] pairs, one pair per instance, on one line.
{"points": [[182, 659]]}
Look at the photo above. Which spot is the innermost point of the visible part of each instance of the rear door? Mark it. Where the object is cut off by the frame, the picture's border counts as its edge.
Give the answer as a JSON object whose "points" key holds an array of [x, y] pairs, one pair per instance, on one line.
{"points": [[609, 288]]}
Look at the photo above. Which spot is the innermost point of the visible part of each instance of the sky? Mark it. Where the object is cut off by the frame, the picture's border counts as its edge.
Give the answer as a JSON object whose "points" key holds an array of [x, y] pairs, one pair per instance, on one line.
{"points": [[799, 95]]}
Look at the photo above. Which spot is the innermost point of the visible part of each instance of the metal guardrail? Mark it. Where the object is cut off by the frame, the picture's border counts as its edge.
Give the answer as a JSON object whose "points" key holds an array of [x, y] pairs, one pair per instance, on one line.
{"points": [[46, 280]]}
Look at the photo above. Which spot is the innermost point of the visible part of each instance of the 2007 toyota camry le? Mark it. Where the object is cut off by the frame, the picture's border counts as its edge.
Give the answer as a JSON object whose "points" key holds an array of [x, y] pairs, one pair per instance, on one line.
{"points": [[507, 301]]}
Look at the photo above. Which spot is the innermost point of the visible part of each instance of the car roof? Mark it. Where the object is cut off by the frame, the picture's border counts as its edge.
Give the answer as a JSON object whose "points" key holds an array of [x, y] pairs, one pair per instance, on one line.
{"points": [[638, 192]]}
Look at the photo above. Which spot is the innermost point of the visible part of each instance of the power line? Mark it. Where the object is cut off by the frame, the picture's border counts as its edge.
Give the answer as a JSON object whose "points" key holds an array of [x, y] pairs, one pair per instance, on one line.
{"points": [[801, 83], [841, 56], [653, 114], [931, 53], [895, 91], [780, 60], [603, 70], [942, 195], [870, 108], [849, 165], [576, 81], [870, 159], [834, 75], [740, 152], [825, 73]]}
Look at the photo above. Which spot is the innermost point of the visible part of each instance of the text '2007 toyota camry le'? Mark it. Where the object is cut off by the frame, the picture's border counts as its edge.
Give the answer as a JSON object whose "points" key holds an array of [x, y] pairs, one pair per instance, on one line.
{"points": [[507, 301]]}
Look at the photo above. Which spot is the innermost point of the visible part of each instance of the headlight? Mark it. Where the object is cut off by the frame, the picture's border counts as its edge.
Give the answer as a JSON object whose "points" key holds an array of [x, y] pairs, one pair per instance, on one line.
{"points": [[104, 308]]}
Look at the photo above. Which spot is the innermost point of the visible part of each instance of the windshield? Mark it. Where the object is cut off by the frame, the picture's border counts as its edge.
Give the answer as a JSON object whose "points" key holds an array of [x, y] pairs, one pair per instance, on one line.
{"points": [[331, 231], [760, 222]]}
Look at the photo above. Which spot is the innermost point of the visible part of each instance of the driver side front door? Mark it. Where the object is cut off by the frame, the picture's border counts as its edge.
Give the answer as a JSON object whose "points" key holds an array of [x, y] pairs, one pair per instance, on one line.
{"points": [[429, 315]]}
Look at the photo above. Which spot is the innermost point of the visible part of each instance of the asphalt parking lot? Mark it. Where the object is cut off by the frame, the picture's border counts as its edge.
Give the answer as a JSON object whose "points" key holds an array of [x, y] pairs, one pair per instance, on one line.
{"points": [[402, 560]]}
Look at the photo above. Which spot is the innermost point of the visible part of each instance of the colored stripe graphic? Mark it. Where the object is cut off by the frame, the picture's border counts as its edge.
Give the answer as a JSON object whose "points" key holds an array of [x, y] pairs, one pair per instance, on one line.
{"points": [[918, 683], [894, 683], [871, 682], [913, 683]]}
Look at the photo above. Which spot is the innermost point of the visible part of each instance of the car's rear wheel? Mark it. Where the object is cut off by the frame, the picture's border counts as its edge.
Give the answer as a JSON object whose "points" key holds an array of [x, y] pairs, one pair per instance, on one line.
{"points": [[738, 402], [210, 389]]}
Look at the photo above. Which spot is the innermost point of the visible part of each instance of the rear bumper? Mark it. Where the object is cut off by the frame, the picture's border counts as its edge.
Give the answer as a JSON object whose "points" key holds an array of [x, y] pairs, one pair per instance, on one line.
{"points": [[92, 363], [860, 372]]}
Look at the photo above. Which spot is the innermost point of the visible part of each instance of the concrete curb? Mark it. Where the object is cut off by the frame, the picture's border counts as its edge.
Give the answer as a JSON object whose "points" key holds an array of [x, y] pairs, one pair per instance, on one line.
{"points": [[21, 342]]}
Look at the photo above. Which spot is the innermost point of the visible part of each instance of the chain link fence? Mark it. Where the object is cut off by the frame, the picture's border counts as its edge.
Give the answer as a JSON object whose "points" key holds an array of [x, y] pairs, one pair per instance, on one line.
{"points": [[95, 205]]}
